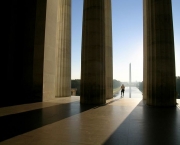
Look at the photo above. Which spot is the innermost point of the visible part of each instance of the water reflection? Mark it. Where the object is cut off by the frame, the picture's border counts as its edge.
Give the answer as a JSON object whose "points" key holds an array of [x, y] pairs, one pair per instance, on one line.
{"points": [[135, 93]]}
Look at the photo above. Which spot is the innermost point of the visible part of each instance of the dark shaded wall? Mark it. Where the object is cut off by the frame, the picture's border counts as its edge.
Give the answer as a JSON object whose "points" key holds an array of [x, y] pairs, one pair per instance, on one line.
{"points": [[178, 86], [18, 85]]}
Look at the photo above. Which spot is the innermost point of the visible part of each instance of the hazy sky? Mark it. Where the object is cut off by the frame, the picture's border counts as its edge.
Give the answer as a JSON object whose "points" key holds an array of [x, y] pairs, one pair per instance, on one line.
{"points": [[127, 32]]}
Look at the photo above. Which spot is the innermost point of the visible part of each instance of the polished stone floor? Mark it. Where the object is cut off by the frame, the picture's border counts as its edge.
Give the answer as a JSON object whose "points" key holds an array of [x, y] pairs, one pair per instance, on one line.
{"points": [[122, 121]]}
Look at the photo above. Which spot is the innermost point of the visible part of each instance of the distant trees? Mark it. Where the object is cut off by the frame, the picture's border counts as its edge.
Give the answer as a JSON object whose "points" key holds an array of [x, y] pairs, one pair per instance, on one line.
{"points": [[178, 86], [116, 84], [76, 84], [141, 86]]}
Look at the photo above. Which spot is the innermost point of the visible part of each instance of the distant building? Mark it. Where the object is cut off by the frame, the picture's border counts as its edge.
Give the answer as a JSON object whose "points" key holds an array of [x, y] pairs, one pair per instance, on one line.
{"points": [[73, 91]]}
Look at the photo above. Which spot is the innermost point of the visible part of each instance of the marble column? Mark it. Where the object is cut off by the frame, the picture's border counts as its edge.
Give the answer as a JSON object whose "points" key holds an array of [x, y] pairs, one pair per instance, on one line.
{"points": [[108, 49], [50, 46], [96, 43], [160, 61], [63, 57]]}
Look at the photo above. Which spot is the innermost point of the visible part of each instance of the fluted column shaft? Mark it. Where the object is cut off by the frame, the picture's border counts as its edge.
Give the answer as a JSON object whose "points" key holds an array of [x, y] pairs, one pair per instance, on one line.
{"points": [[95, 45], [108, 48], [160, 61], [63, 79]]}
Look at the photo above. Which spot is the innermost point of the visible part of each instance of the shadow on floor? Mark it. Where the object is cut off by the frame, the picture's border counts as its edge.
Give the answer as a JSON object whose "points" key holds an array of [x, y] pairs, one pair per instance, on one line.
{"points": [[16, 124], [147, 125]]}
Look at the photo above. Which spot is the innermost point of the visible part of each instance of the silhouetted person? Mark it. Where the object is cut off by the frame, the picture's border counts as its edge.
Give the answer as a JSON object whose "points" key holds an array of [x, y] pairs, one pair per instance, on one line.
{"points": [[122, 89]]}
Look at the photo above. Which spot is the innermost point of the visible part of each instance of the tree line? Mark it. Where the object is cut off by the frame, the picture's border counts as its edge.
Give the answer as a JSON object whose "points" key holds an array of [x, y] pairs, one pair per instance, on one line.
{"points": [[76, 84]]}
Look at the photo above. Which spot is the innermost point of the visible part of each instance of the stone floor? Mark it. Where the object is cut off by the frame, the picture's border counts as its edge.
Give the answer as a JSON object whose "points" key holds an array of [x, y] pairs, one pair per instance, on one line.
{"points": [[122, 121]]}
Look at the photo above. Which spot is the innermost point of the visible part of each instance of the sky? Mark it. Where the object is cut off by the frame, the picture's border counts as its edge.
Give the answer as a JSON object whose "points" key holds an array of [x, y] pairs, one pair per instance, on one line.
{"points": [[127, 36]]}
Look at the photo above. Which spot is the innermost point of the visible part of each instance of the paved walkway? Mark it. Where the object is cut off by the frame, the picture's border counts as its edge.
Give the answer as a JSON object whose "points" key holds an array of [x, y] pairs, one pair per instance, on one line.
{"points": [[64, 121]]}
